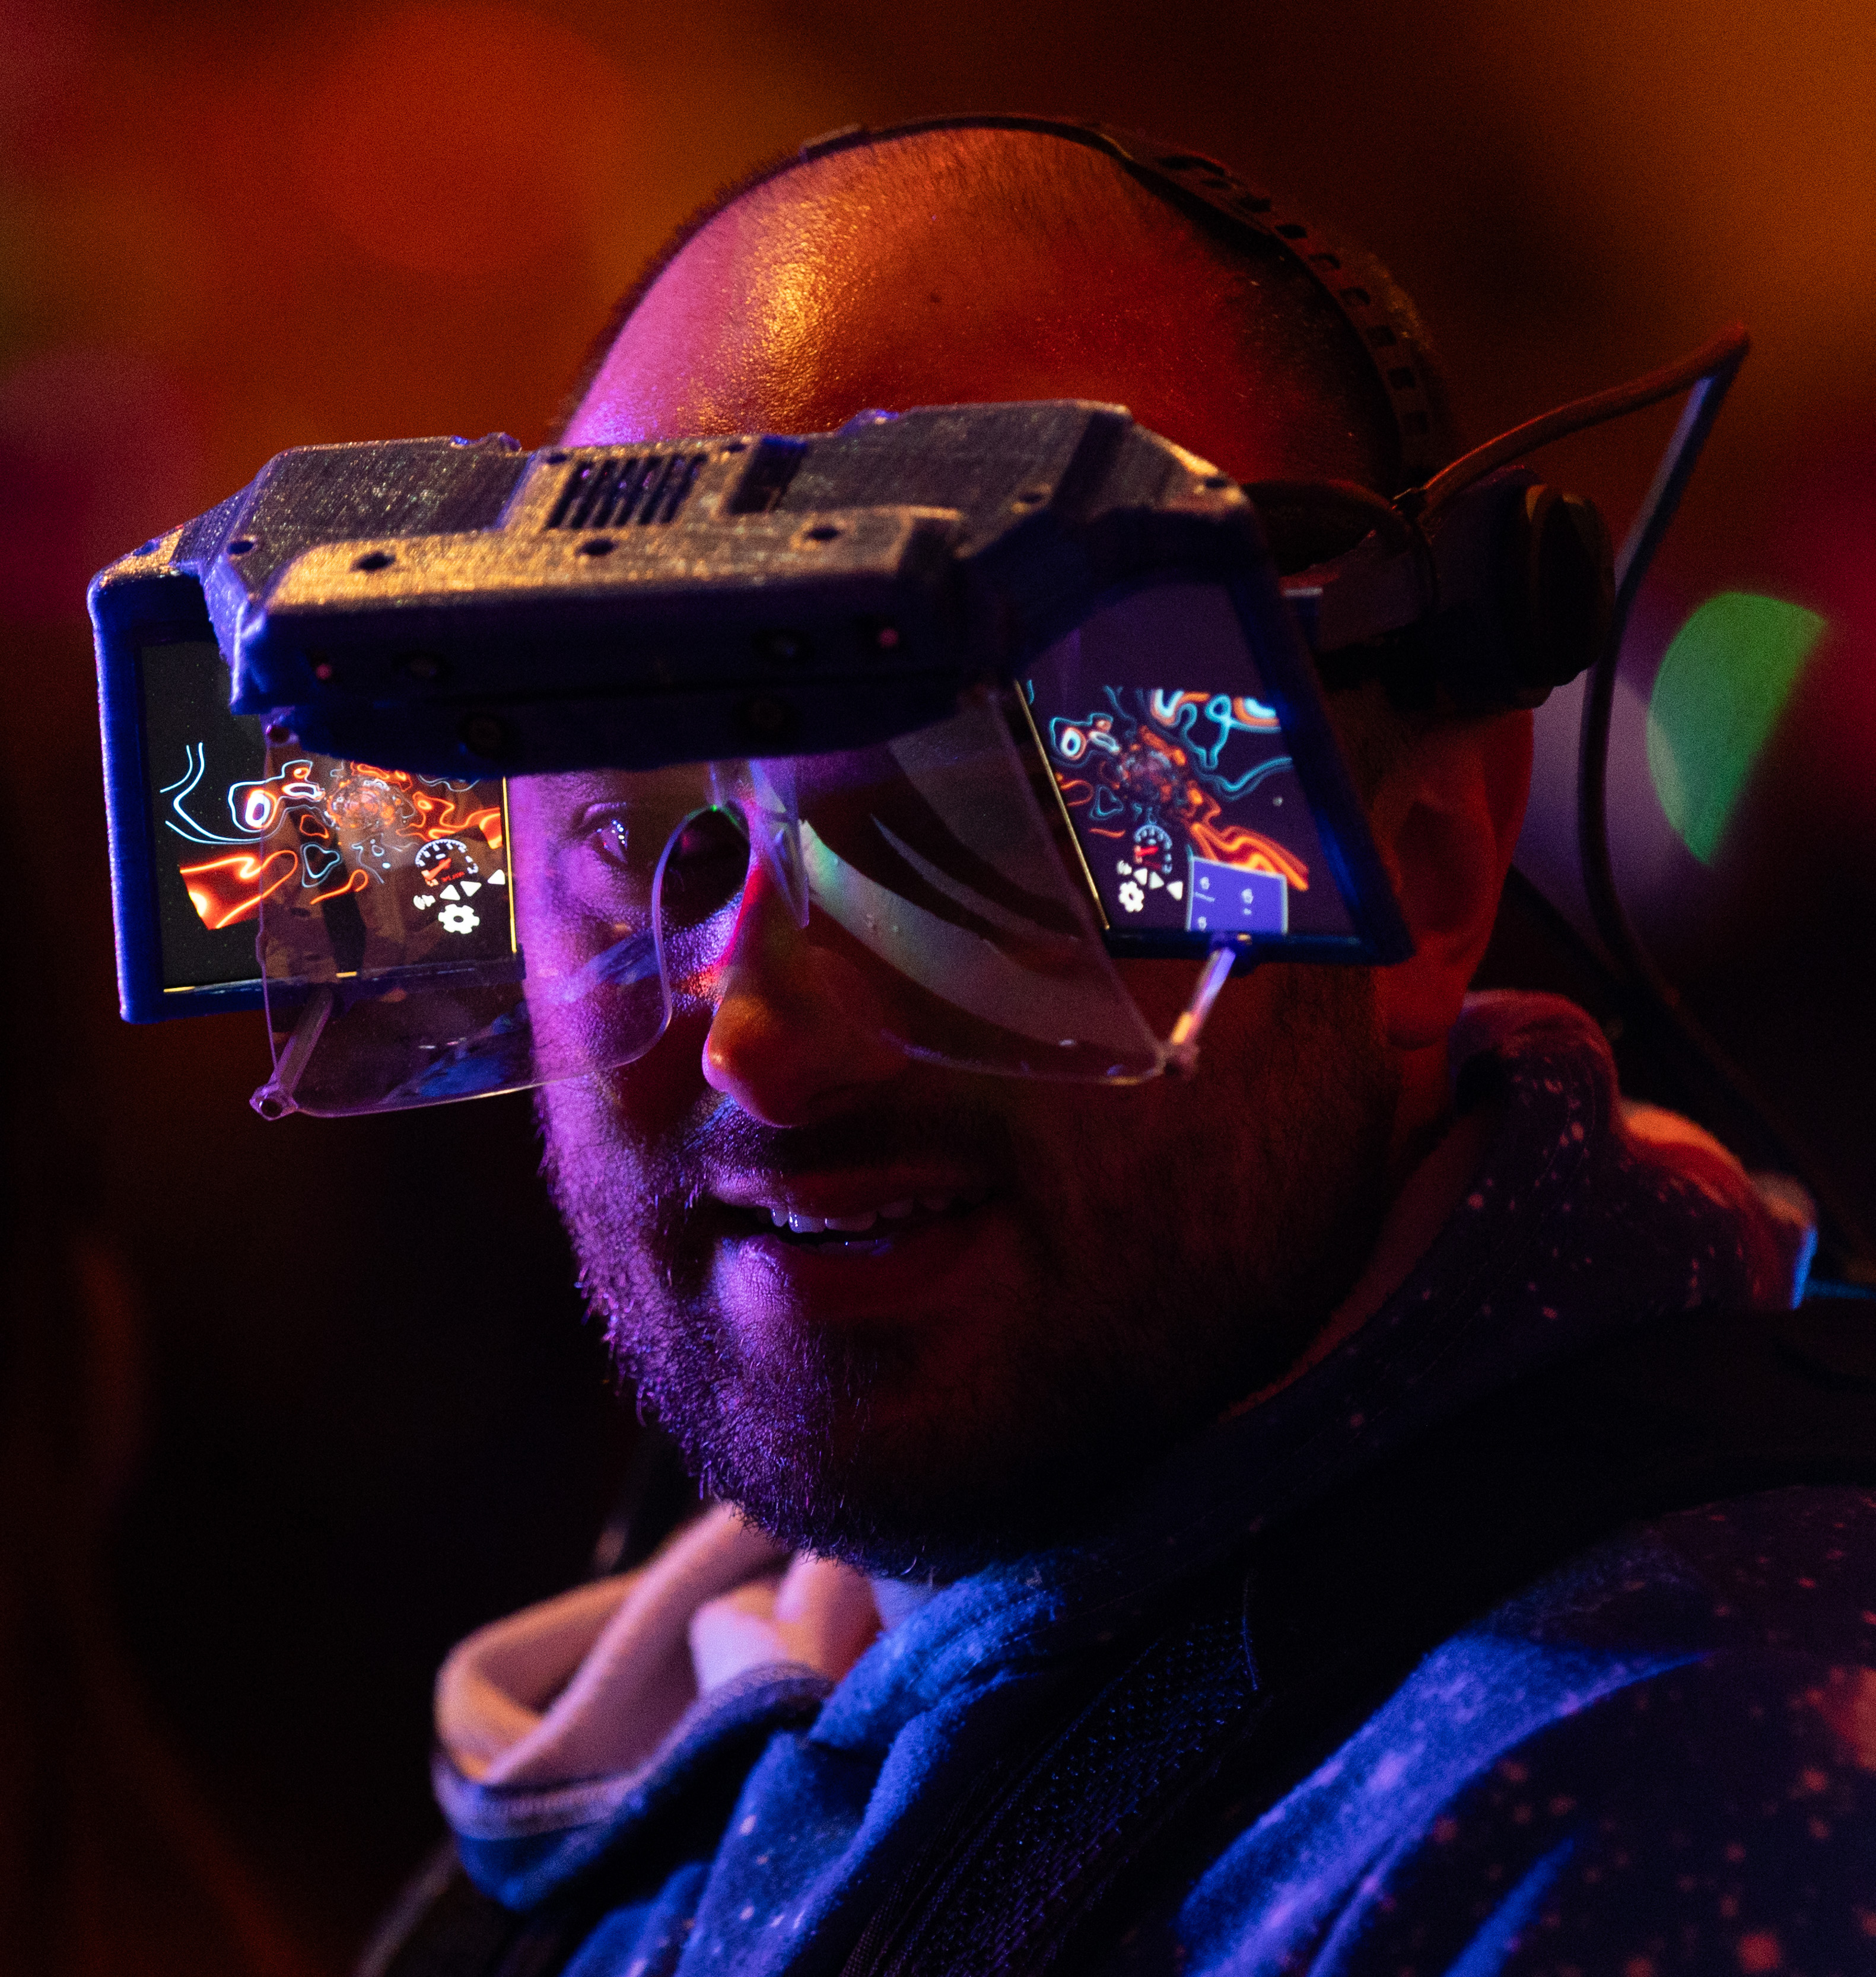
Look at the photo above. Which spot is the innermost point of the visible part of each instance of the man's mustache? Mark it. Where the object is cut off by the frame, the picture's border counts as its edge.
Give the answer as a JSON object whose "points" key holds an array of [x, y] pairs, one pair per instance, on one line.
{"points": [[975, 1138]]}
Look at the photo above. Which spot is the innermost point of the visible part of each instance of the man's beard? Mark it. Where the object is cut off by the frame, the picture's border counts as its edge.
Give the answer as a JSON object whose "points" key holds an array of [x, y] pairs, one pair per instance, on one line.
{"points": [[1159, 1282]]}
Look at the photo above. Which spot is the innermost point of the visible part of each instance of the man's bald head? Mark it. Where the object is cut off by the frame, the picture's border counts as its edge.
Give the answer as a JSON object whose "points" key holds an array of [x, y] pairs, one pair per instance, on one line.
{"points": [[975, 265]]}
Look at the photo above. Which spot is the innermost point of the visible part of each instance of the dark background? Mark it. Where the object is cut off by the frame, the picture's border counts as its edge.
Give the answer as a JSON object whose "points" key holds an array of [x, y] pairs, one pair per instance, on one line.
{"points": [[288, 1408]]}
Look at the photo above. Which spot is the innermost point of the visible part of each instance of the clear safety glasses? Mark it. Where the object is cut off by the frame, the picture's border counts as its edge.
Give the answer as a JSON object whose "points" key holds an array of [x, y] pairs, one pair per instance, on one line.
{"points": [[962, 890]]}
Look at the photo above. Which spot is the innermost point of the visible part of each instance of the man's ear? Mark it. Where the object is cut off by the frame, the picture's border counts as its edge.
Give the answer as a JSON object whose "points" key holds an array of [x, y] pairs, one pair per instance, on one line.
{"points": [[1446, 817]]}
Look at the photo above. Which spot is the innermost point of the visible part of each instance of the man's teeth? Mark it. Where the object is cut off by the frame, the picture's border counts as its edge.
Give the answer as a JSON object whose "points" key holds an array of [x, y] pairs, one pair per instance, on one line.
{"points": [[858, 1225]]}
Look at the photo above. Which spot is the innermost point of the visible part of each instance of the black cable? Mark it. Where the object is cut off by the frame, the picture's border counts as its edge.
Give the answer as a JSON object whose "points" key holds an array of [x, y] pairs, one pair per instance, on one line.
{"points": [[1651, 999]]}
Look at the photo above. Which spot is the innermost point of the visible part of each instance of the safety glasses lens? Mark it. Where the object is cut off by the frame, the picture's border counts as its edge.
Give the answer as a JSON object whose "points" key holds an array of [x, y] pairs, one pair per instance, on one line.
{"points": [[966, 885]]}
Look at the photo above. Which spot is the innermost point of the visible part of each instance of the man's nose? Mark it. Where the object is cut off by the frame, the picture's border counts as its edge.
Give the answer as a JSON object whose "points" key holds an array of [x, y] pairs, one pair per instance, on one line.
{"points": [[798, 1032]]}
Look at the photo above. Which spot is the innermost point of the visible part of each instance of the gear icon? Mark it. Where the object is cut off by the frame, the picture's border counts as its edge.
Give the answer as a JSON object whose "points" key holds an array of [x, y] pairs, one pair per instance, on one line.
{"points": [[1132, 897], [459, 920]]}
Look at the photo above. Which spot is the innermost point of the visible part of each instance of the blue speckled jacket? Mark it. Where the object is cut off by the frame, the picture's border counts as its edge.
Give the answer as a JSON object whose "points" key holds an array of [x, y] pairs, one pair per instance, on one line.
{"points": [[1660, 1757]]}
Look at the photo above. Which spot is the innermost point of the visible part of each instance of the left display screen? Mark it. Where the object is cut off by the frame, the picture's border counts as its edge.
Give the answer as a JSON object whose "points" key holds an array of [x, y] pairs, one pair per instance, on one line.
{"points": [[195, 752], [420, 861]]}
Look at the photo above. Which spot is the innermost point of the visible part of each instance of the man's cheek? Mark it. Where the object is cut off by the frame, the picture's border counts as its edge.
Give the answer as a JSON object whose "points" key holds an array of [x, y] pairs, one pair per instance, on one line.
{"points": [[645, 1106], [607, 1199], [652, 1100]]}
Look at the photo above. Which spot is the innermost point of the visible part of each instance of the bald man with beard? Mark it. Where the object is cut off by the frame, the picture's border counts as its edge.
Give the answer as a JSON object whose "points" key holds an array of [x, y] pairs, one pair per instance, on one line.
{"points": [[1156, 1528]]}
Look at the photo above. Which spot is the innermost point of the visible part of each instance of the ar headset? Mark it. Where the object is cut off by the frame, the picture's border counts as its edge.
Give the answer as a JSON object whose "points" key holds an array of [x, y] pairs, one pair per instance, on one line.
{"points": [[463, 761]]}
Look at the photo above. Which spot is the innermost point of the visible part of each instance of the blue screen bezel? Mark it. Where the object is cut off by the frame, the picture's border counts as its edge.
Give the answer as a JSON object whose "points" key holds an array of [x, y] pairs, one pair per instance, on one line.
{"points": [[127, 623]]}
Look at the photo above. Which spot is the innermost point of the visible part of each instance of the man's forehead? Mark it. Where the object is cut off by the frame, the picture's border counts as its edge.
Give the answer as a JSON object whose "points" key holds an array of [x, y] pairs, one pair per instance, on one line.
{"points": [[816, 298]]}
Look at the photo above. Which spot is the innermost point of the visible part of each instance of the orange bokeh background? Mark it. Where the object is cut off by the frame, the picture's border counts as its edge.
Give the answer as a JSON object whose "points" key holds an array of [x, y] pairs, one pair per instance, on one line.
{"points": [[225, 231]]}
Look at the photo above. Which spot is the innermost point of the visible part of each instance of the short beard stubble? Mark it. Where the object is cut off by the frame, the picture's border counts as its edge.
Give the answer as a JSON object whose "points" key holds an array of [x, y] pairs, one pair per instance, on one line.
{"points": [[1163, 1276]]}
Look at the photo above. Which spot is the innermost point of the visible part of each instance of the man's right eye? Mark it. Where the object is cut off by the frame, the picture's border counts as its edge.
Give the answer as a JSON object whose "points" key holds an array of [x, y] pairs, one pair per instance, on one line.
{"points": [[612, 838], [600, 863]]}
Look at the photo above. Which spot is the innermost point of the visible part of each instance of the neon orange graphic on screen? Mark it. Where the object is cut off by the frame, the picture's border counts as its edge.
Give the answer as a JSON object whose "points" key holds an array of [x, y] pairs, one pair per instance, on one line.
{"points": [[349, 826], [1151, 773], [224, 890]]}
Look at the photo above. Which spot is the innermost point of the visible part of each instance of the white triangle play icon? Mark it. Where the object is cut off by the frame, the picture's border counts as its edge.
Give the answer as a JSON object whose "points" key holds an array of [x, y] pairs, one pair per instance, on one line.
{"points": [[451, 893], [470, 887], [498, 878]]}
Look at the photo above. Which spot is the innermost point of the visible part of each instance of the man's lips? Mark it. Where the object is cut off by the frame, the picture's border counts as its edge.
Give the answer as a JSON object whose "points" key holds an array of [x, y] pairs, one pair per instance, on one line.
{"points": [[835, 1205], [899, 1272], [895, 1243]]}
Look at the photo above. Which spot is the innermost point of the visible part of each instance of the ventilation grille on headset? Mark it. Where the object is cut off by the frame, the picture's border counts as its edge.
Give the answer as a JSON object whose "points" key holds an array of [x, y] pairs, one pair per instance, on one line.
{"points": [[619, 488]]}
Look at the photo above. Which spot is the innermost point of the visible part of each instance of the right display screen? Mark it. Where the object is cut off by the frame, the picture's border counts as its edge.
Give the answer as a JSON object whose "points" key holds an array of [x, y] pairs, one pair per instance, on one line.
{"points": [[1180, 789]]}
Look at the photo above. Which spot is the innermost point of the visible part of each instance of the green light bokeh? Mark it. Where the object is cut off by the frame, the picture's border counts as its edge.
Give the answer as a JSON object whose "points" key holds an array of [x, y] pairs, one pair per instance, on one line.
{"points": [[1722, 685]]}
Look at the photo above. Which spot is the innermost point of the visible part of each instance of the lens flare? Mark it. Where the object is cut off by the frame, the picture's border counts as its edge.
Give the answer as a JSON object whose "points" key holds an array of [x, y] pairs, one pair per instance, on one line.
{"points": [[1726, 680]]}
